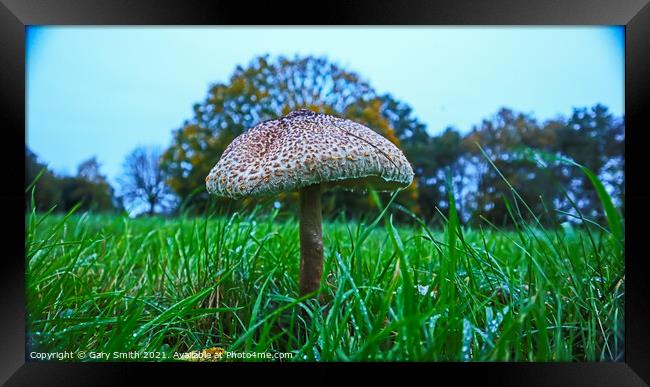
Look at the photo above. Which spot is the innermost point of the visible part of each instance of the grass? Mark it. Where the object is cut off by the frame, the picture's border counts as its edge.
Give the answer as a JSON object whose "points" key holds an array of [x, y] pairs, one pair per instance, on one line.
{"points": [[411, 292]]}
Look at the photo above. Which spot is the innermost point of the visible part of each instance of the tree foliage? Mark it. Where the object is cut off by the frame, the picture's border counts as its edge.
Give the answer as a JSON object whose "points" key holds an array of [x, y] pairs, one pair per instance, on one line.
{"points": [[47, 192], [89, 187], [591, 137]]}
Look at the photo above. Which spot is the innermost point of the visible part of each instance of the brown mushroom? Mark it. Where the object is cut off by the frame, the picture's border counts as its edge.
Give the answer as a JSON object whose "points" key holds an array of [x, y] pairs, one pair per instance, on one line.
{"points": [[309, 152]]}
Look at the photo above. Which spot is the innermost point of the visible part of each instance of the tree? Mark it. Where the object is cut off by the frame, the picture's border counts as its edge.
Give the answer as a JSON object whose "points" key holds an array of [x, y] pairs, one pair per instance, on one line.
{"points": [[89, 170], [594, 138], [143, 181], [591, 137], [504, 137], [89, 189], [47, 192], [268, 88]]}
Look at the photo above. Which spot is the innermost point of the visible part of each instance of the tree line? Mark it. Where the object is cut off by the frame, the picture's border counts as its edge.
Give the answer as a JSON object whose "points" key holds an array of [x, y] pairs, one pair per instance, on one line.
{"points": [[88, 189], [507, 150]]}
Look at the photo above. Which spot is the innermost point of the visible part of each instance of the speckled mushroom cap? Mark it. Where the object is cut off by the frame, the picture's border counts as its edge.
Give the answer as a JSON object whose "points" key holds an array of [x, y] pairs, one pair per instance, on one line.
{"points": [[305, 148]]}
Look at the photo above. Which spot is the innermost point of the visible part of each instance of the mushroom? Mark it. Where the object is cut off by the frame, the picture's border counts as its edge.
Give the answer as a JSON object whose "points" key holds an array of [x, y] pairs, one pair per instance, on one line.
{"points": [[309, 152]]}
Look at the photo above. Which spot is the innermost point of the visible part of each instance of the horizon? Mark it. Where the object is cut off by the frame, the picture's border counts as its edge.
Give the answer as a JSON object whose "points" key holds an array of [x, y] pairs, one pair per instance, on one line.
{"points": [[102, 91]]}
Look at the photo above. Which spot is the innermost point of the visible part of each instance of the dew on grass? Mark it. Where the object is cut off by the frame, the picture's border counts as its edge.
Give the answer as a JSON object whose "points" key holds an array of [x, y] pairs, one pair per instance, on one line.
{"points": [[423, 289], [432, 322], [478, 318], [467, 340]]}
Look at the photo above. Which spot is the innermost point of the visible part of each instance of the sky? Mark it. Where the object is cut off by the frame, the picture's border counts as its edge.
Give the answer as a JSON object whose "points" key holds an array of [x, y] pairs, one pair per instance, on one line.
{"points": [[102, 91]]}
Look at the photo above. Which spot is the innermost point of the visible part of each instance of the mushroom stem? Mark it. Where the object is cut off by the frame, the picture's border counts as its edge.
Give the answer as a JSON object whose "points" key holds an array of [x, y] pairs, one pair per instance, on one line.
{"points": [[311, 239]]}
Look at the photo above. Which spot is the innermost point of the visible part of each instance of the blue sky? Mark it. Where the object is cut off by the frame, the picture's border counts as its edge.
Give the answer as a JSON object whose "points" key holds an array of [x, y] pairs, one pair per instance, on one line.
{"points": [[104, 90]]}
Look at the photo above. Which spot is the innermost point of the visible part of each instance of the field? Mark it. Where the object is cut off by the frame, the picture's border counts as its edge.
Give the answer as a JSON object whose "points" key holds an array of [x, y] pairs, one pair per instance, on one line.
{"points": [[407, 292]]}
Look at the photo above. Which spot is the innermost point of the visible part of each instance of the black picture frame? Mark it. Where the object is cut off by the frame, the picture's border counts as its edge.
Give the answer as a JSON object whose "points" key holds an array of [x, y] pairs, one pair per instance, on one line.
{"points": [[15, 15]]}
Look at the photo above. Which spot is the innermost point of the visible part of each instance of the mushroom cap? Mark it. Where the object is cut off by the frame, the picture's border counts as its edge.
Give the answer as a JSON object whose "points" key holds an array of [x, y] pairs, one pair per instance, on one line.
{"points": [[305, 148]]}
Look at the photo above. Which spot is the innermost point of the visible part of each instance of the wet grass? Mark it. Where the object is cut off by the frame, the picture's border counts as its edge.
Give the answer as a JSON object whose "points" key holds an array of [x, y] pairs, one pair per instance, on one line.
{"points": [[412, 292]]}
